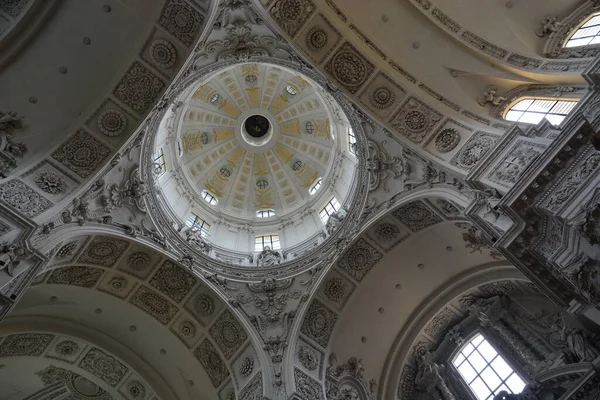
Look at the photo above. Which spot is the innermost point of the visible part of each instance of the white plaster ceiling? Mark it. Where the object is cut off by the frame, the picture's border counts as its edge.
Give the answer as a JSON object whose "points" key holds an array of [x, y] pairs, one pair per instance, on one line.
{"points": [[402, 282], [110, 316], [276, 175], [65, 100]]}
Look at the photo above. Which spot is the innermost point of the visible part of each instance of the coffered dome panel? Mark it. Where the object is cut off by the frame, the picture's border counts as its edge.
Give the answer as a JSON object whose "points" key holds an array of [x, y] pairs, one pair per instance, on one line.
{"points": [[257, 137]]}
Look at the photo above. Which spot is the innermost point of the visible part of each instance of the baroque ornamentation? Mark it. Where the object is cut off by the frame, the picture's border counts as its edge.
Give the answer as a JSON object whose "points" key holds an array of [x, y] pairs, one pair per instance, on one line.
{"points": [[211, 361], [111, 122], [76, 275], [181, 20], [416, 216], [25, 344], [228, 334], [383, 167], [268, 257], [490, 96], [82, 154], [335, 289], [447, 140], [50, 182], [173, 281], [104, 251], [130, 192], [23, 198], [246, 367], [415, 120], [318, 323], [9, 122], [474, 150], [307, 386], [291, 14], [350, 68], [359, 259], [334, 221], [381, 97], [316, 38], [154, 304], [515, 162], [11, 256], [308, 358], [139, 88], [104, 366], [163, 53]]}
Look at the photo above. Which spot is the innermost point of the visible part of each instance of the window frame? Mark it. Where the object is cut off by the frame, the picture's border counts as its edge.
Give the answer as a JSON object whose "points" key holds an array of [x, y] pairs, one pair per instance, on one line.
{"points": [[273, 244], [351, 141], [335, 205], [579, 27], [212, 199], [261, 213], [316, 186], [458, 352], [194, 221], [556, 101], [159, 158]]}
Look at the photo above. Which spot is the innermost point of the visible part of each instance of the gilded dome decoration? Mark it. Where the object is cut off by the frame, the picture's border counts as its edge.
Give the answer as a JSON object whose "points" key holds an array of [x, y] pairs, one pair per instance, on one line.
{"points": [[257, 137]]}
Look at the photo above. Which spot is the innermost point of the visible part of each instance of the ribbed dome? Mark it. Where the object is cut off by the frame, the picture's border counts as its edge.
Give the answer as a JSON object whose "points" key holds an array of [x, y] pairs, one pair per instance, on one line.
{"points": [[256, 137]]}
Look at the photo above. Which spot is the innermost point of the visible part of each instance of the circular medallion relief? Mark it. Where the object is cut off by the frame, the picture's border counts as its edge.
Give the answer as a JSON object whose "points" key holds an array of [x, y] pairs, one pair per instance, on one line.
{"points": [[447, 140], [316, 38], [416, 121], [163, 53], [349, 68], [111, 122], [381, 97]]}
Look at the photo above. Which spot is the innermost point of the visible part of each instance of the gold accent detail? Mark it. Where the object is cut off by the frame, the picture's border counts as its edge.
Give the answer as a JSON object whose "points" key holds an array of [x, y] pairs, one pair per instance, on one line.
{"points": [[253, 96], [279, 103], [292, 127], [283, 153], [260, 165], [229, 108]]}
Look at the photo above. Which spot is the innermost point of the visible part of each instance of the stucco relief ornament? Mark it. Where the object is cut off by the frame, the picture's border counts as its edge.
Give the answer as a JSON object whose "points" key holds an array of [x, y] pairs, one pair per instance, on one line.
{"points": [[130, 192], [11, 256], [308, 358], [430, 377], [241, 45], [228, 8], [51, 182], [549, 25], [589, 223], [585, 275], [490, 96], [383, 167], [579, 350], [194, 237], [9, 121], [334, 221], [268, 257]]}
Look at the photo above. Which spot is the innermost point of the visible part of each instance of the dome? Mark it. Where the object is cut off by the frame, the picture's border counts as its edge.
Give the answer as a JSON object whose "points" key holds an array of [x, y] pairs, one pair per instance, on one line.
{"points": [[258, 145]]}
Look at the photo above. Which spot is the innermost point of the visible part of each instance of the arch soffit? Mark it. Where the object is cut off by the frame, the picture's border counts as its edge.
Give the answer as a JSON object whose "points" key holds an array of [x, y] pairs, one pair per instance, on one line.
{"points": [[339, 285], [150, 282], [66, 346]]}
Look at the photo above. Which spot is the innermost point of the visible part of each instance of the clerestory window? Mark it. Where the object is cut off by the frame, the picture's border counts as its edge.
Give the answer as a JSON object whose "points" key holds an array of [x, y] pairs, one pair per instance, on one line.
{"points": [[533, 110], [196, 222], [260, 242], [330, 208], [209, 198], [587, 34], [485, 371]]}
